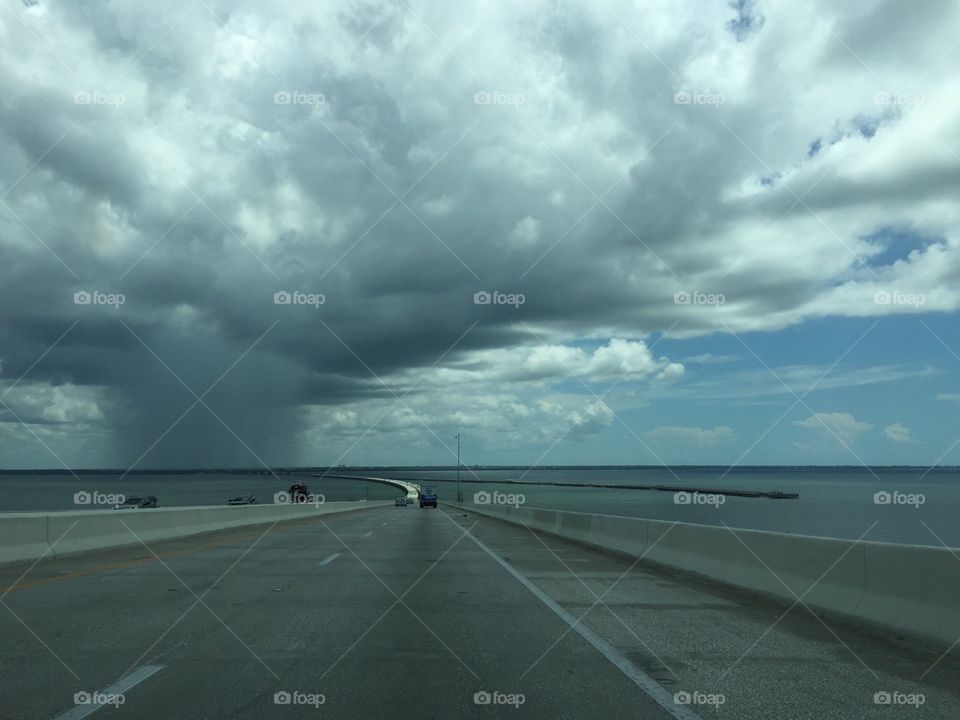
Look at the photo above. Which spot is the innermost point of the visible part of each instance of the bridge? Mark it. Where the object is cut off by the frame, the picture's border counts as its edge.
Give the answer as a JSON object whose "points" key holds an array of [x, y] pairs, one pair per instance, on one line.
{"points": [[364, 610]]}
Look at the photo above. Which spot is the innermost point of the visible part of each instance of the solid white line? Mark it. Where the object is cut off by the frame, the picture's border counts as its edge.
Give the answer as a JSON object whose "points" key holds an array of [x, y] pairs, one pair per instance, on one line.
{"points": [[646, 683], [331, 558], [118, 688]]}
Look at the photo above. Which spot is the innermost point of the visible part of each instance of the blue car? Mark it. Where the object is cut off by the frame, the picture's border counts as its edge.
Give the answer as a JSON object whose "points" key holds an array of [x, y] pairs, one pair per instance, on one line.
{"points": [[428, 497]]}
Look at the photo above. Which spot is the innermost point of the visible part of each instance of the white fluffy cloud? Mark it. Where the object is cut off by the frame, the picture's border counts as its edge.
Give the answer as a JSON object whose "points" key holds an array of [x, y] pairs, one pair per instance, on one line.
{"points": [[898, 433], [838, 425], [53, 405]]}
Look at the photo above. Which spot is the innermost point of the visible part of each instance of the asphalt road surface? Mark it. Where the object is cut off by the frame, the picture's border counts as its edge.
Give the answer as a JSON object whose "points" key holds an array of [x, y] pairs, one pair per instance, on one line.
{"points": [[422, 613]]}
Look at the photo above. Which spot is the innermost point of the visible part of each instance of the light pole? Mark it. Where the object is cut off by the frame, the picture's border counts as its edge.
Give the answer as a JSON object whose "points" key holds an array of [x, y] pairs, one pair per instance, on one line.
{"points": [[459, 494]]}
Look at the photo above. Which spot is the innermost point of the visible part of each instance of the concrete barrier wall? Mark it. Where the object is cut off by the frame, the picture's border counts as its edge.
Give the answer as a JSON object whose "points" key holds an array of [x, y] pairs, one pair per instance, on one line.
{"points": [[27, 536], [904, 590], [916, 584], [23, 537]]}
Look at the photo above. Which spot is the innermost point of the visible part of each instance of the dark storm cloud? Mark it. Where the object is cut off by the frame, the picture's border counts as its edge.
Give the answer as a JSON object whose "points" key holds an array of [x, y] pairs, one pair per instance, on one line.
{"points": [[386, 187]]}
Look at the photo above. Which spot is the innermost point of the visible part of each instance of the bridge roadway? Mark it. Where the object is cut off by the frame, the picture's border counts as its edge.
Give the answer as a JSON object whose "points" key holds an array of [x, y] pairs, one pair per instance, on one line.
{"points": [[410, 613]]}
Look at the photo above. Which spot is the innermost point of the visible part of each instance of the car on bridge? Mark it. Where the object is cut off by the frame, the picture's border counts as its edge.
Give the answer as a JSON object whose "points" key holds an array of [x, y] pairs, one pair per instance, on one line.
{"points": [[138, 502], [428, 497], [400, 502], [298, 493]]}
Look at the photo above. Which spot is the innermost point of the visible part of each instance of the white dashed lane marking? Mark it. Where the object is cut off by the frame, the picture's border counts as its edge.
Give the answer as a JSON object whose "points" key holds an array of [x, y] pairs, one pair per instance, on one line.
{"points": [[109, 696]]}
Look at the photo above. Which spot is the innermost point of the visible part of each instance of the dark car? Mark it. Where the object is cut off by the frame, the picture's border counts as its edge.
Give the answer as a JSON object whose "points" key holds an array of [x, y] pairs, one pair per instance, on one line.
{"points": [[428, 497], [138, 502], [298, 493], [243, 500]]}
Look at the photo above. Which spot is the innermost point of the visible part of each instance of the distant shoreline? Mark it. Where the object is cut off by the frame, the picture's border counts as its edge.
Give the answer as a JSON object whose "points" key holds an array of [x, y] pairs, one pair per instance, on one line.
{"points": [[453, 468]]}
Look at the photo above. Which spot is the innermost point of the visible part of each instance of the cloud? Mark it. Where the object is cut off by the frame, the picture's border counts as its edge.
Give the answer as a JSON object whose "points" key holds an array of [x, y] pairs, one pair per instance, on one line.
{"points": [[798, 379], [689, 435], [592, 418], [898, 433], [489, 423], [543, 363], [339, 148], [842, 426], [709, 359], [52, 405]]}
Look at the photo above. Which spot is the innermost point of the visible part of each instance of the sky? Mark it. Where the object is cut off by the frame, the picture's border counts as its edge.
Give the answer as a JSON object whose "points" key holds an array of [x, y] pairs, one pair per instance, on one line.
{"points": [[238, 234]]}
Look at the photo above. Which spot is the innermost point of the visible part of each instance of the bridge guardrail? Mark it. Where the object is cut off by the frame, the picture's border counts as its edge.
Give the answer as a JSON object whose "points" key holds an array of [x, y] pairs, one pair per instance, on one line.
{"points": [[908, 590]]}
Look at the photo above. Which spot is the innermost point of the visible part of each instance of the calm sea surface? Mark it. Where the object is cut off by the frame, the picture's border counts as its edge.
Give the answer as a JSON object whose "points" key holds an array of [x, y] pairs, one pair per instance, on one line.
{"points": [[834, 502], [57, 492]]}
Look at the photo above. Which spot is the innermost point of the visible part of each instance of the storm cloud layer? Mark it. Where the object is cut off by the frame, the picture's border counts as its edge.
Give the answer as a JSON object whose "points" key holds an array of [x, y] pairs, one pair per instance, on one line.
{"points": [[234, 233]]}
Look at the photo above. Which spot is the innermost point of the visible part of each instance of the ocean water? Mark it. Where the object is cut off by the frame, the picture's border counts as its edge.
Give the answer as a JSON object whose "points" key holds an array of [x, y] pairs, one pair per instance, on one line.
{"points": [[30, 492], [834, 502]]}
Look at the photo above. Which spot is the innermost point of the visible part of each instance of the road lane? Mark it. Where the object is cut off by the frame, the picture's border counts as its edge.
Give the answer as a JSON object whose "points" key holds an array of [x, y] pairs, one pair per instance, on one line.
{"points": [[95, 616], [87, 703], [410, 621], [397, 612], [704, 640]]}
